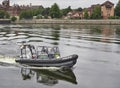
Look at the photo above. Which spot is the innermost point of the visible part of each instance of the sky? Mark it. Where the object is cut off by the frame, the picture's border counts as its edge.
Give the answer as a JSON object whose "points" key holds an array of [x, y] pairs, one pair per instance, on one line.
{"points": [[62, 3]]}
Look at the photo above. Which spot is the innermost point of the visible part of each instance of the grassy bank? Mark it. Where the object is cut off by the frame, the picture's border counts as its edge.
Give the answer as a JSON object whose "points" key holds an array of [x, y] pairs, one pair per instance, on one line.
{"points": [[60, 21]]}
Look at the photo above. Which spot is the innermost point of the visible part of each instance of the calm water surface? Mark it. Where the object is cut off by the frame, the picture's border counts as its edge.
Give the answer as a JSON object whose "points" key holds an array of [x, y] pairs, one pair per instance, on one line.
{"points": [[98, 47]]}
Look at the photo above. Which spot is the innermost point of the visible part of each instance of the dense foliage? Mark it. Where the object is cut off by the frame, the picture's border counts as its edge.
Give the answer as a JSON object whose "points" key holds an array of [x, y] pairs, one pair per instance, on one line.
{"points": [[13, 18], [114, 17], [65, 11], [79, 9], [26, 14], [55, 11], [46, 12], [40, 13], [96, 14], [86, 15], [4, 14], [117, 9]]}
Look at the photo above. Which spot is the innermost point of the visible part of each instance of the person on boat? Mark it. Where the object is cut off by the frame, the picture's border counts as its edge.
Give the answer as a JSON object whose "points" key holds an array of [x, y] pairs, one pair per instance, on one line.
{"points": [[56, 52], [44, 50], [53, 53], [57, 56]]}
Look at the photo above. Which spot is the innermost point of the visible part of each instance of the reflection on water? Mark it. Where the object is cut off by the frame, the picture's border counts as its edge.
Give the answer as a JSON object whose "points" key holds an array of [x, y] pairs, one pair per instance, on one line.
{"points": [[98, 47], [49, 77], [70, 35], [118, 31], [41, 33]]}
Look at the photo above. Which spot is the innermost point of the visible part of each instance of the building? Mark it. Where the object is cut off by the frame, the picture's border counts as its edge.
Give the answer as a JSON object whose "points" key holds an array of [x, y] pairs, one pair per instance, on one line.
{"points": [[15, 9], [12, 10], [75, 15], [107, 9]]}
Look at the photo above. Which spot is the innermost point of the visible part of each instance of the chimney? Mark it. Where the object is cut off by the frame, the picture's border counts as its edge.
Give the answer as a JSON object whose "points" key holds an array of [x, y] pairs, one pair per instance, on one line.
{"points": [[30, 4], [8, 2]]}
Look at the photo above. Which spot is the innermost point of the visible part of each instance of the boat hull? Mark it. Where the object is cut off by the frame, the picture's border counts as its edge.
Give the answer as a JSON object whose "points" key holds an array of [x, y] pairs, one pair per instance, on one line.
{"points": [[68, 61]]}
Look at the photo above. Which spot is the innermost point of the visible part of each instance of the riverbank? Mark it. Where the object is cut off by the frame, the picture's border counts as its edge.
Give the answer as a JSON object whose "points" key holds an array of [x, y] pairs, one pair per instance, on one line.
{"points": [[5, 21], [61, 21]]}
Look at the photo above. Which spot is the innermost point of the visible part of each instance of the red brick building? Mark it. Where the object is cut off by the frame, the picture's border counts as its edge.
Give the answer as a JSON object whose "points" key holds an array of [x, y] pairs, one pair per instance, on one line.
{"points": [[107, 10], [13, 10]]}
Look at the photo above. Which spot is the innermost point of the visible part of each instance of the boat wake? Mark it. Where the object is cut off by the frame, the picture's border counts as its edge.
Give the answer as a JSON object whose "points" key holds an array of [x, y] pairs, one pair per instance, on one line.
{"points": [[7, 60]]}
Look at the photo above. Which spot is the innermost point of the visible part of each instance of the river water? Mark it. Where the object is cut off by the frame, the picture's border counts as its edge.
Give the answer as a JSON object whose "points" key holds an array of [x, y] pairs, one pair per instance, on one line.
{"points": [[98, 48]]}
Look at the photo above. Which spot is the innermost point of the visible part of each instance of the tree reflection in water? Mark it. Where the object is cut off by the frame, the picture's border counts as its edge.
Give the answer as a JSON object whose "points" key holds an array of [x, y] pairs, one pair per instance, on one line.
{"points": [[96, 30], [55, 34], [117, 31], [49, 77]]}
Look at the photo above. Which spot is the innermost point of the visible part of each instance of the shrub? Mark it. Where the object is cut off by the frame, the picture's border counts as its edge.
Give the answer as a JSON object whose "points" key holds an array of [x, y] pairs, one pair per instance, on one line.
{"points": [[13, 18], [39, 17], [114, 17]]}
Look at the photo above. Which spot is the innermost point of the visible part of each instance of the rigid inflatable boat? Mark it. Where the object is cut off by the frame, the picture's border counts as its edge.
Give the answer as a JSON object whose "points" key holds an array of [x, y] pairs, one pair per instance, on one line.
{"points": [[44, 56]]}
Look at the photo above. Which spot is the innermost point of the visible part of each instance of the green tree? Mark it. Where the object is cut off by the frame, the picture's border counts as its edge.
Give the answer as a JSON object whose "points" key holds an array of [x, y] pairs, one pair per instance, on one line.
{"points": [[41, 11], [55, 11], [13, 18], [79, 9], [38, 11], [4, 14], [117, 9], [7, 15], [26, 14], [46, 12], [86, 15], [96, 14], [66, 10]]}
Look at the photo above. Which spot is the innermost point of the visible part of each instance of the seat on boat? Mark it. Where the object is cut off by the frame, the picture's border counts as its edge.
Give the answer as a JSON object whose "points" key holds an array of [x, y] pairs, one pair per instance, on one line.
{"points": [[43, 56], [51, 56]]}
